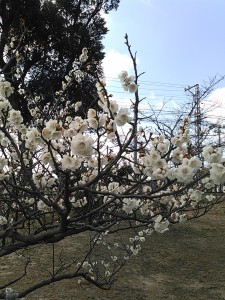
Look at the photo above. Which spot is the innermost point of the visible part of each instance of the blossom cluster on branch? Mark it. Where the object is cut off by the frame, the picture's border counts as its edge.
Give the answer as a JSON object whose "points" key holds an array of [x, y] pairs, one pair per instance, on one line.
{"points": [[66, 175]]}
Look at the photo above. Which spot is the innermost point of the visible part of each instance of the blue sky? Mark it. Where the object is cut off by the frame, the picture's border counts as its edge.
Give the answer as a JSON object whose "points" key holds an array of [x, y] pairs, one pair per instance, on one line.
{"points": [[178, 43]]}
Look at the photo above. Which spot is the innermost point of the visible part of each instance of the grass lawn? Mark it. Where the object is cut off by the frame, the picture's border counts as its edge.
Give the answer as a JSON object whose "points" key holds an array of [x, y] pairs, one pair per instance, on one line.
{"points": [[185, 263]]}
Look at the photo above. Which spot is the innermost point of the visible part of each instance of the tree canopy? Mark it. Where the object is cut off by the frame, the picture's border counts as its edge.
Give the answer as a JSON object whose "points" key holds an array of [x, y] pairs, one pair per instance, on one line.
{"points": [[40, 40]]}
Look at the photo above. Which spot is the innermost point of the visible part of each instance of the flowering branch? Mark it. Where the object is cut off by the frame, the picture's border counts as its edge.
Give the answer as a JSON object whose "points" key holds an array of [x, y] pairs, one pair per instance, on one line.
{"points": [[64, 175]]}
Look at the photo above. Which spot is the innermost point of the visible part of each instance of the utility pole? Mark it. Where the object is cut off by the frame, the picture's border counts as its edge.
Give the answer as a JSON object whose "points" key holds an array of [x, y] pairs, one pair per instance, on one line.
{"points": [[218, 131], [196, 110], [219, 135]]}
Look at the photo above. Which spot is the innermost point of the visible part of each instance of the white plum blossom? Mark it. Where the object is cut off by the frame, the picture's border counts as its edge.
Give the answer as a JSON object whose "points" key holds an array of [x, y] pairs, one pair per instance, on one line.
{"points": [[91, 113], [70, 163], [113, 186], [177, 155], [132, 87], [195, 195], [102, 120], [217, 173], [33, 139], [84, 57], [159, 163], [148, 171], [123, 75], [3, 220], [184, 173], [208, 184], [4, 142], [51, 181], [46, 158], [154, 156], [183, 218], [15, 117], [147, 160], [159, 173], [110, 129], [171, 173], [79, 202], [5, 88], [113, 106], [77, 106], [195, 163], [93, 123], [123, 117], [3, 162], [163, 146], [210, 197], [129, 205], [4, 105], [42, 206], [161, 225], [212, 155], [52, 131], [10, 294], [177, 141], [79, 124], [128, 83], [82, 145], [56, 135], [93, 163]]}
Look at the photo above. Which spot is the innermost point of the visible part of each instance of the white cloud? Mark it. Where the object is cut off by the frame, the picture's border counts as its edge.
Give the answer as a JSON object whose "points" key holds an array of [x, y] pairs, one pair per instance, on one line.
{"points": [[144, 106], [214, 106], [152, 96], [115, 62], [107, 19]]}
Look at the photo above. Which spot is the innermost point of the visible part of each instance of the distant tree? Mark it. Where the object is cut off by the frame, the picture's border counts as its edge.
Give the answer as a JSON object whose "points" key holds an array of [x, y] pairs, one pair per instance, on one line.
{"points": [[196, 109], [40, 40]]}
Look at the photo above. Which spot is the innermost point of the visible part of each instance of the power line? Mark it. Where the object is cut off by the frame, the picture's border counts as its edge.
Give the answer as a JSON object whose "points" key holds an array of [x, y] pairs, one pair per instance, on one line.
{"points": [[156, 95], [147, 89], [147, 82]]}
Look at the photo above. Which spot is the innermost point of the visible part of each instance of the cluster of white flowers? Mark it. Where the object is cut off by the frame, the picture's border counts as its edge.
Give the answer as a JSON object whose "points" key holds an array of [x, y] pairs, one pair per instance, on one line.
{"points": [[33, 139], [195, 195], [68, 144], [127, 82], [92, 119], [183, 136], [129, 205], [78, 202], [43, 181], [80, 166], [70, 163], [156, 167], [82, 145], [188, 168], [5, 89], [212, 155], [11, 294], [217, 173], [52, 130], [42, 206], [161, 225], [84, 56], [3, 220], [123, 117]]}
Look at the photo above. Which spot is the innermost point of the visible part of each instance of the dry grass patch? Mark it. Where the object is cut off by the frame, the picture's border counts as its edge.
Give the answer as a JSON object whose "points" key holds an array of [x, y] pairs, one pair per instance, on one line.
{"points": [[185, 263]]}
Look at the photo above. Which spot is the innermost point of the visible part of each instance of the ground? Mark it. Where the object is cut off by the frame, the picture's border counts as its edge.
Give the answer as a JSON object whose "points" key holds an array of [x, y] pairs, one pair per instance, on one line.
{"points": [[185, 263]]}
